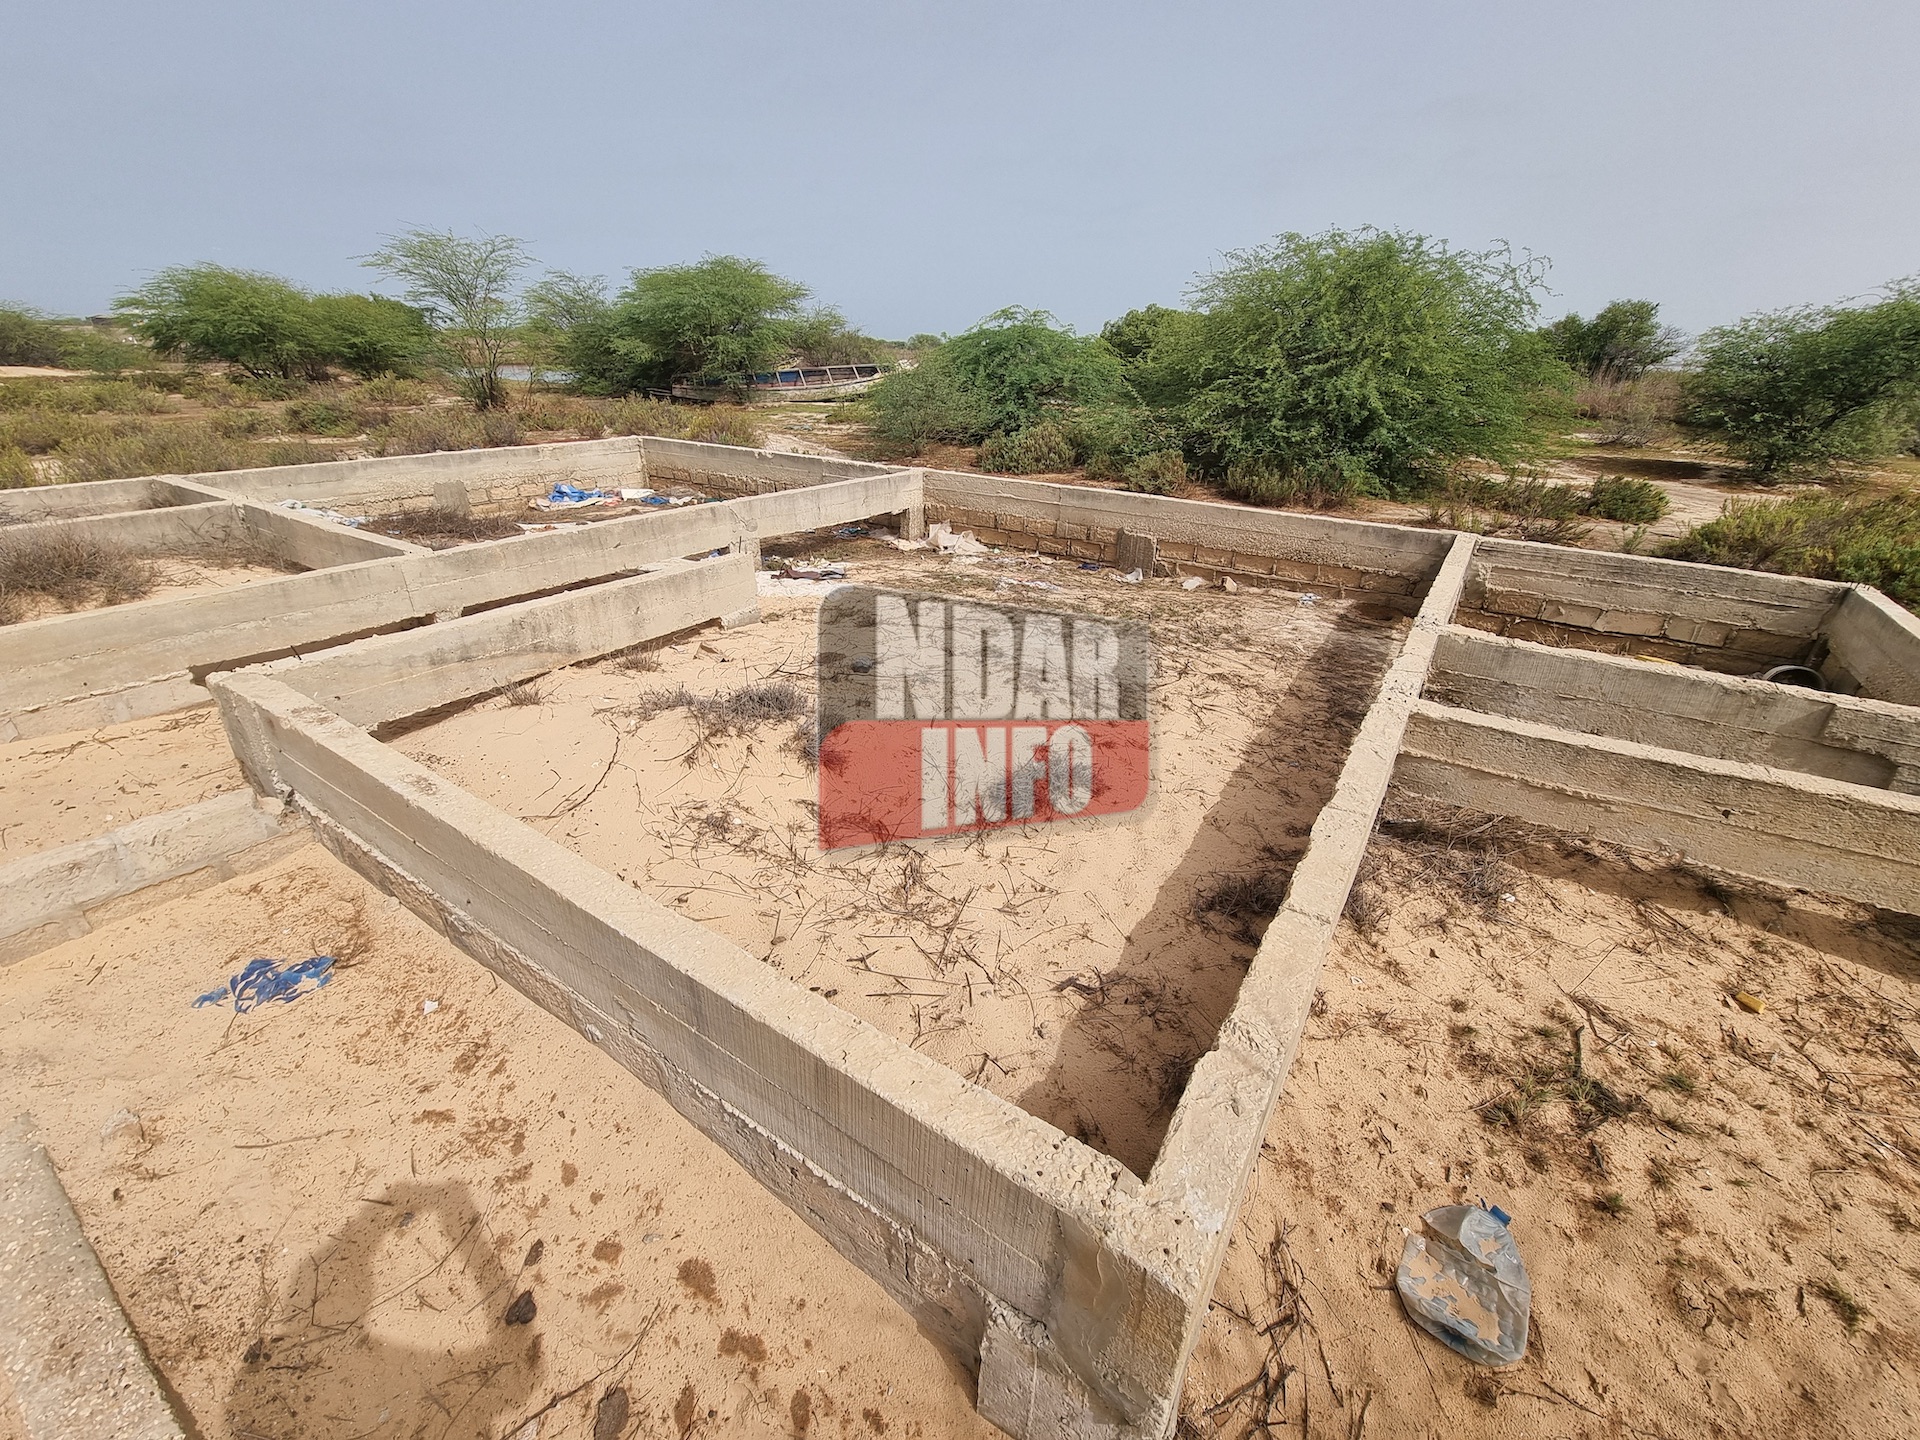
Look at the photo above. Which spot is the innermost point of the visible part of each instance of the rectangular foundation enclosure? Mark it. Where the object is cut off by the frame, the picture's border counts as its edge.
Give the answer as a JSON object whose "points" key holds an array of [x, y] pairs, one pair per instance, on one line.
{"points": [[1613, 698]]}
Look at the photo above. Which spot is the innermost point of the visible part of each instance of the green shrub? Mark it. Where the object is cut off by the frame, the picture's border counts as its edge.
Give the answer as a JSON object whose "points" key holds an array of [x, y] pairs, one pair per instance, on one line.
{"points": [[16, 468], [636, 415], [1623, 498], [561, 412], [1160, 473], [912, 409], [1622, 342], [1328, 488], [1630, 412], [393, 390], [1108, 438], [82, 397], [325, 417], [29, 338], [1040, 449], [41, 432], [1017, 366], [1866, 540], [1807, 391], [725, 425], [242, 422]]}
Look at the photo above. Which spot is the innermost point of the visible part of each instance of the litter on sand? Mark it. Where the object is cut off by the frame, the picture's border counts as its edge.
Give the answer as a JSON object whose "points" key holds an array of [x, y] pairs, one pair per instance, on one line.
{"points": [[944, 539], [265, 980], [1309, 598], [634, 493], [816, 571], [1091, 565], [1132, 577], [314, 512], [1192, 582], [1463, 1282], [572, 497], [850, 532]]}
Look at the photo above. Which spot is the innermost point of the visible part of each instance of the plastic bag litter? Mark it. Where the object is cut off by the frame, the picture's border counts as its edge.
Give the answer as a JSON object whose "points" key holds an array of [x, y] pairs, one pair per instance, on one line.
{"points": [[1463, 1282], [1192, 582], [634, 493], [266, 980], [1309, 598], [850, 532], [947, 542], [572, 497], [1132, 577]]}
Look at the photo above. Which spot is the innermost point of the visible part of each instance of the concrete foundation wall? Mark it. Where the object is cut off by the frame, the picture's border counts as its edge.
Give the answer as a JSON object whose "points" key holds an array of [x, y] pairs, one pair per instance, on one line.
{"points": [[316, 544], [95, 497], [1873, 646], [103, 666], [63, 893], [1783, 827], [499, 476], [176, 529], [1864, 742], [396, 676], [1022, 1213], [1734, 621], [1334, 557], [732, 470]]}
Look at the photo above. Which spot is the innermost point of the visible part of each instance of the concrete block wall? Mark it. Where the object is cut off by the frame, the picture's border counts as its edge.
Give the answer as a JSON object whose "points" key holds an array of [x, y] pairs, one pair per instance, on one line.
{"points": [[734, 471], [1317, 552], [1873, 647]]}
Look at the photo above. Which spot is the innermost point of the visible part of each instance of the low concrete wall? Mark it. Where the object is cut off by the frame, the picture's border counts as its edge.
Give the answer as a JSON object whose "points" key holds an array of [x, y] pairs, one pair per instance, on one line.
{"points": [[1864, 742], [96, 497], [61, 894], [69, 1358], [1335, 557], [1873, 645], [104, 666], [507, 475], [732, 470], [1734, 621], [316, 544], [176, 529], [1783, 827], [962, 1205], [396, 676]]}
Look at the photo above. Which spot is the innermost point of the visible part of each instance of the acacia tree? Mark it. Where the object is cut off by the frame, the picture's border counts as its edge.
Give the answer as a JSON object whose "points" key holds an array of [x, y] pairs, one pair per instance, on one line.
{"points": [[466, 287], [1805, 390], [1622, 342], [1359, 361], [260, 323]]}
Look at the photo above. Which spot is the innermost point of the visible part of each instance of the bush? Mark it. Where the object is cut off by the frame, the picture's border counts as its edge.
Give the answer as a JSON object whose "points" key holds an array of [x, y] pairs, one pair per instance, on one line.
{"points": [[69, 569], [369, 334], [16, 468], [327, 417], [175, 449], [29, 338], [1865, 540], [242, 423], [41, 432], [1016, 366], [445, 427], [1532, 509], [1358, 361], [1807, 391], [1630, 412], [1324, 489], [1622, 342], [1161, 473], [1623, 498], [912, 409], [392, 390], [1042, 449], [724, 425], [561, 412]]}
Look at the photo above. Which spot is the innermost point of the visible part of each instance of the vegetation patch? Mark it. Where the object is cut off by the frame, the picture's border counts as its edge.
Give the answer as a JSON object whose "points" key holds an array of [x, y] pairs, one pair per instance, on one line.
{"points": [[73, 571], [1828, 535]]}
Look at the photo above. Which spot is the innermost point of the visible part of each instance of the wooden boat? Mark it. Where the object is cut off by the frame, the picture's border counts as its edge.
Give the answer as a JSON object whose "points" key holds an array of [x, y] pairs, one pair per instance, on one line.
{"points": [[771, 387]]}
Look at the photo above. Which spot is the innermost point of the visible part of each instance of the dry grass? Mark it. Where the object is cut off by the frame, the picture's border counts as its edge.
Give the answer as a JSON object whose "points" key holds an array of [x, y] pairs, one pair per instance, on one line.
{"points": [[524, 693], [71, 570]]}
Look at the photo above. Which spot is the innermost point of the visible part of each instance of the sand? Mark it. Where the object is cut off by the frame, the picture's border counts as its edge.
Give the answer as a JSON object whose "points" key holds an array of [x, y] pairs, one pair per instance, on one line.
{"points": [[1074, 969]]}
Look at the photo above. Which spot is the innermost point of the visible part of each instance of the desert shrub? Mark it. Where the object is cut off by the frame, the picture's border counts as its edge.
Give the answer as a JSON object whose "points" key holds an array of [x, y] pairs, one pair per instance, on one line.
{"points": [[1040, 449], [394, 390], [1630, 412], [16, 468], [1864, 539], [370, 334], [260, 323], [1108, 438], [1622, 342], [1160, 473], [1624, 498], [242, 423], [1527, 508], [82, 397], [1358, 361], [175, 449], [1017, 366], [445, 427], [1324, 488], [29, 338], [69, 569], [41, 432], [635, 415], [1807, 391], [561, 412], [912, 409], [724, 425], [330, 416]]}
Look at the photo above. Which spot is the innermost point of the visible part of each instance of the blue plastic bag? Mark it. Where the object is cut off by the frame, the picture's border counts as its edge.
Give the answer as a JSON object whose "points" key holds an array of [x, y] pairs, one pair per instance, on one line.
{"points": [[263, 981]]}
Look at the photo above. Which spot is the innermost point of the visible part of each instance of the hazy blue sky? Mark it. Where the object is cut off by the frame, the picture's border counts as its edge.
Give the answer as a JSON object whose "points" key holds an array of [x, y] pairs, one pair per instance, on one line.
{"points": [[922, 164]]}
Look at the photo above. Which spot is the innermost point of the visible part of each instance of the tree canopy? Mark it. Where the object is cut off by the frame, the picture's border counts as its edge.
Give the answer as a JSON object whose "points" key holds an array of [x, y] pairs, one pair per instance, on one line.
{"points": [[1622, 342], [1363, 360], [468, 289], [268, 326], [1803, 390]]}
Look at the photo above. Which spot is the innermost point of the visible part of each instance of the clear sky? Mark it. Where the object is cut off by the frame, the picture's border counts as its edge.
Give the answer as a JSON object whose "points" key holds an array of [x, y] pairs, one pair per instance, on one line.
{"points": [[921, 164]]}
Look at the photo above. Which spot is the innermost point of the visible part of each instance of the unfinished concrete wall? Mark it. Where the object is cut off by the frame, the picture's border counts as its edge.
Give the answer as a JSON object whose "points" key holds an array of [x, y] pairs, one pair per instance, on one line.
{"points": [[1734, 621], [733, 470], [176, 529], [1873, 647], [103, 666], [1317, 552], [1864, 742], [98, 497]]}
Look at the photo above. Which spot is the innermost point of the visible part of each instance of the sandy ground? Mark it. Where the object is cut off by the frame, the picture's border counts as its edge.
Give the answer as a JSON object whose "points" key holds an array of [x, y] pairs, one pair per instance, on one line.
{"points": [[1762, 1273], [1078, 970], [57, 789], [319, 1215]]}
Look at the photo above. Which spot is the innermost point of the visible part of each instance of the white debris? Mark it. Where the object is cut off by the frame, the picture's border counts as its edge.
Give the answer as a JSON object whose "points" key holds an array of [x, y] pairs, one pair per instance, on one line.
{"points": [[1132, 577], [1192, 582]]}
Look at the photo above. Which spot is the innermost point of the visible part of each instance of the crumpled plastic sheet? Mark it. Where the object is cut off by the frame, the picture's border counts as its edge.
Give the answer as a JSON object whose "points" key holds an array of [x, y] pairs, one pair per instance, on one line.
{"points": [[1464, 1283], [263, 981]]}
